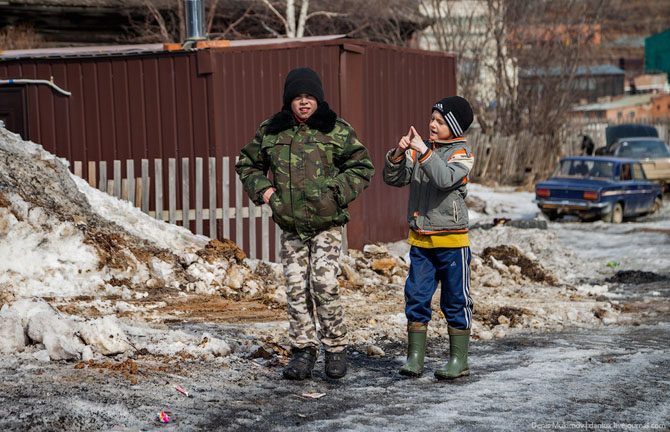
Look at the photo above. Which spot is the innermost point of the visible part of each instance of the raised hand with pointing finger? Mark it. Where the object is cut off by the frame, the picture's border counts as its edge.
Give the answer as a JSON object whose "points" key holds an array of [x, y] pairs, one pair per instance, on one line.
{"points": [[415, 141], [411, 140]]}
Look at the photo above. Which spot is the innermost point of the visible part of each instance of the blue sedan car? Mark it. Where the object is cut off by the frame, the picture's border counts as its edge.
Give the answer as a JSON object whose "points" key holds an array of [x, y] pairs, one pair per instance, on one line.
{"points": [[593, 187]]}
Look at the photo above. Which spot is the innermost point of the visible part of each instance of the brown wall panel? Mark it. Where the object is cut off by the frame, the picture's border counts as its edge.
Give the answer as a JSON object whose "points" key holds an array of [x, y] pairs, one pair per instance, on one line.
{"points": [[121, 110], [107, 121], [200, 104], [91, 111], [136, 107]]}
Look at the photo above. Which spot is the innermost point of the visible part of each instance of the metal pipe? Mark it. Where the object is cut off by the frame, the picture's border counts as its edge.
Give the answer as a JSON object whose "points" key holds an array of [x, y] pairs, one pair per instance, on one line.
{"points": [[195, 20], [50, 83]]}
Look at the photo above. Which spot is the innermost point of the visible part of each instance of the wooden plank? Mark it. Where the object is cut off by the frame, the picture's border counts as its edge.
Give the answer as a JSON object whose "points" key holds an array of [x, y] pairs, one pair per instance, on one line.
{"points": [[185, 204], [172, 190], [277, 244], [265, 233], [124, 189], [239, 221], [212, 197], [198, 195], [91, 174], [130, 178], [225, 194], [145, 186], [117, 178], [252, 230], [78, 169], [138, 193], [158, 176], [102, 182]]}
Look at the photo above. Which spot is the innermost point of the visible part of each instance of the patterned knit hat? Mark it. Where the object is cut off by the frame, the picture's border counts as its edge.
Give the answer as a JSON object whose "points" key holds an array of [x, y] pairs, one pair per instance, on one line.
{"points": [[302, 80], [457, 112]]}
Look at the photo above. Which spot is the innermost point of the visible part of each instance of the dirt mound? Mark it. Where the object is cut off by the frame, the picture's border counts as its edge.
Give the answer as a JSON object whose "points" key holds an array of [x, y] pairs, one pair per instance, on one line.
{"points": [[636, 277], [510, 255], [500, 315], [218, 250]]}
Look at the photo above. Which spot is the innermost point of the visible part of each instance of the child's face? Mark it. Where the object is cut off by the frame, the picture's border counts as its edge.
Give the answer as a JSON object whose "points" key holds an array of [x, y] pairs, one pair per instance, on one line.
{"points": [[438, 128], [304, 106]]}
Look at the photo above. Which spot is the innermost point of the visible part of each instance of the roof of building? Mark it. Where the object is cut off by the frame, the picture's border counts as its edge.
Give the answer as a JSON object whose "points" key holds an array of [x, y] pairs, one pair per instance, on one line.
{"points": [[603, 69], [625, 101], [119, 50]]}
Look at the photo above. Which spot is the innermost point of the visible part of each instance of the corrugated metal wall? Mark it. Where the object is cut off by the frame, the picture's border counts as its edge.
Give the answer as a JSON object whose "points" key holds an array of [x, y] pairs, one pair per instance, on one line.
{"points": [[401, 87], [209, 103]]}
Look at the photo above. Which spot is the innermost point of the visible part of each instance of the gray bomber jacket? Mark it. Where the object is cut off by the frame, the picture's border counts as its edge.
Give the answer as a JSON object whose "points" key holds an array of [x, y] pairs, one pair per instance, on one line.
{"points": [[437, 182]]}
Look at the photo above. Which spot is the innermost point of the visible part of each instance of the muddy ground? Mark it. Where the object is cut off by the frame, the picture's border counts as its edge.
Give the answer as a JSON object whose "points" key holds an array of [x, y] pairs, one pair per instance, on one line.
{"points": [[615, 377], [603, 376]]}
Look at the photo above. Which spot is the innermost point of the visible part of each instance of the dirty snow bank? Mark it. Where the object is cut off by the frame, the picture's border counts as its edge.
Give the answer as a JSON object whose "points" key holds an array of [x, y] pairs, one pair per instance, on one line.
{"points": [[62, 240]]}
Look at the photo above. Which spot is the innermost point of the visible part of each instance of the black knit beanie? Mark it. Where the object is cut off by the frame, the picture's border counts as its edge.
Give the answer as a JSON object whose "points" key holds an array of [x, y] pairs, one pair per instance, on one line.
{"points": [[302, 80], [457, 112]]}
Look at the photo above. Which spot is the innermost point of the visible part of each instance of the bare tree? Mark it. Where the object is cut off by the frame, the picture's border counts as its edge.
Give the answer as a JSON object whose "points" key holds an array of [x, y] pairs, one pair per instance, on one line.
{"points": [[548, 42], [463, 28], [165, 21], [19, 37], [294, 25]]}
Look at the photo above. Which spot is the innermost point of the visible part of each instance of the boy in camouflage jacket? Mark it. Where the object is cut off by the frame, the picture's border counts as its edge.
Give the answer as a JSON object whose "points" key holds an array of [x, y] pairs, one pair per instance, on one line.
{"points": [[318, 167]]}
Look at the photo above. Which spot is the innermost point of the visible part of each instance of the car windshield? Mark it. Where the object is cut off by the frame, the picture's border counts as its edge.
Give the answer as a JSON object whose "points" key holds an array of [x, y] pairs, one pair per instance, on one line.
{"points": [[580, 168], [643, 149]]}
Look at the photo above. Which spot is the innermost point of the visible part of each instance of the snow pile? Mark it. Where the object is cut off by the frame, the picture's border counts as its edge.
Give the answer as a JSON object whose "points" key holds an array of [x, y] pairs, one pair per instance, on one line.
{"points": [[62, 338], [78, 241]]}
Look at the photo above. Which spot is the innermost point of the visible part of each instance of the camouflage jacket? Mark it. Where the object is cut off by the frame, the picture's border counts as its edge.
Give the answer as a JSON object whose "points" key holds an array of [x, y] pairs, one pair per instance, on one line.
{"points": [[317, 169]]}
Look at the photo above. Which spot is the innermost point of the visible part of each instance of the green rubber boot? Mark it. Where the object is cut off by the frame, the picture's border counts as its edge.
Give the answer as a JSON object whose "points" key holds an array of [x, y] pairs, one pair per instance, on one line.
{"points": [[416, 349], [458, 356]]}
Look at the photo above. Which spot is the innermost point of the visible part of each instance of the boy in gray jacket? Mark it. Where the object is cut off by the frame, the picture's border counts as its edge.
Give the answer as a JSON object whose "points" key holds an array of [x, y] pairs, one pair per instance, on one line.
{"points": [[436, 170]]}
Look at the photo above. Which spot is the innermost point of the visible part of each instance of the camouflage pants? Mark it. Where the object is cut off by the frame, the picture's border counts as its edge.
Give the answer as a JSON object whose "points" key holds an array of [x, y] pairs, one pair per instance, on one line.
{"points": [[311, 268]]}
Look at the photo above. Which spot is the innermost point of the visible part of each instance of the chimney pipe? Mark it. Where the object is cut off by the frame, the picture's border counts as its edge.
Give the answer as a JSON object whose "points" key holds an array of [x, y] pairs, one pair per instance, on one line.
{"points": [[195, 21]]}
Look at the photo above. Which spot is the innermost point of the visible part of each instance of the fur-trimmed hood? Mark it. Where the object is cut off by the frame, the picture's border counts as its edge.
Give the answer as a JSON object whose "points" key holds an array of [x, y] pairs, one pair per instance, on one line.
{"points": [[322, 120]]}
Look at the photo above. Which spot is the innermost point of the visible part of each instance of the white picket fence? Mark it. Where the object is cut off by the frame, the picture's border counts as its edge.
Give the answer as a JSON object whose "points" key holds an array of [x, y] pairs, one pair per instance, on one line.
{"points": [[137, 190]]}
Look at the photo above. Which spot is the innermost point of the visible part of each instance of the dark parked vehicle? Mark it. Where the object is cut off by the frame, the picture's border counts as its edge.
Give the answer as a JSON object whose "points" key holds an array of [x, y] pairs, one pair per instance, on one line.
{"points": [[594, 187], [615, 133]]}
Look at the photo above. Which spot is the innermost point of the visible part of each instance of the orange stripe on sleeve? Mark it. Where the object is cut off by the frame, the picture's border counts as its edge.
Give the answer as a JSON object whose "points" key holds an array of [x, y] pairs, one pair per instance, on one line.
{"points": [[426, 156]]}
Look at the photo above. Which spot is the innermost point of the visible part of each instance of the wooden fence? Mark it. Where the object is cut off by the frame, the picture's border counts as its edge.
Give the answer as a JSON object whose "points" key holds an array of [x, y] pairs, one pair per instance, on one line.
{"points": [[521, 159], [524, 159], [205, 208]]}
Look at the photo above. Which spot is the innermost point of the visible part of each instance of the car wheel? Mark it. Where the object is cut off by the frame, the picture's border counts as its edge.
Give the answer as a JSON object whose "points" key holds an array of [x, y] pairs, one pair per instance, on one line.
{"points": [[551, 215], [616, 215], [658, 203]]}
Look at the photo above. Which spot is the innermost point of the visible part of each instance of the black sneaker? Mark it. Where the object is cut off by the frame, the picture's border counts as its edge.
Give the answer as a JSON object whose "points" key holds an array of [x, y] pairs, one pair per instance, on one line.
{"points": [[301, 364], [336, 364]]}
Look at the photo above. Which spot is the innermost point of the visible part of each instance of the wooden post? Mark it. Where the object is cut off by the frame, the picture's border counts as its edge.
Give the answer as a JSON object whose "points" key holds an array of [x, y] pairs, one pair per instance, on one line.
{"points": [[145, 185], [91, 174], [158, 189], [225, 194], [117, 178], [130, 179], [185, 204], [198, 195], [212, 197], [172, 190]]}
